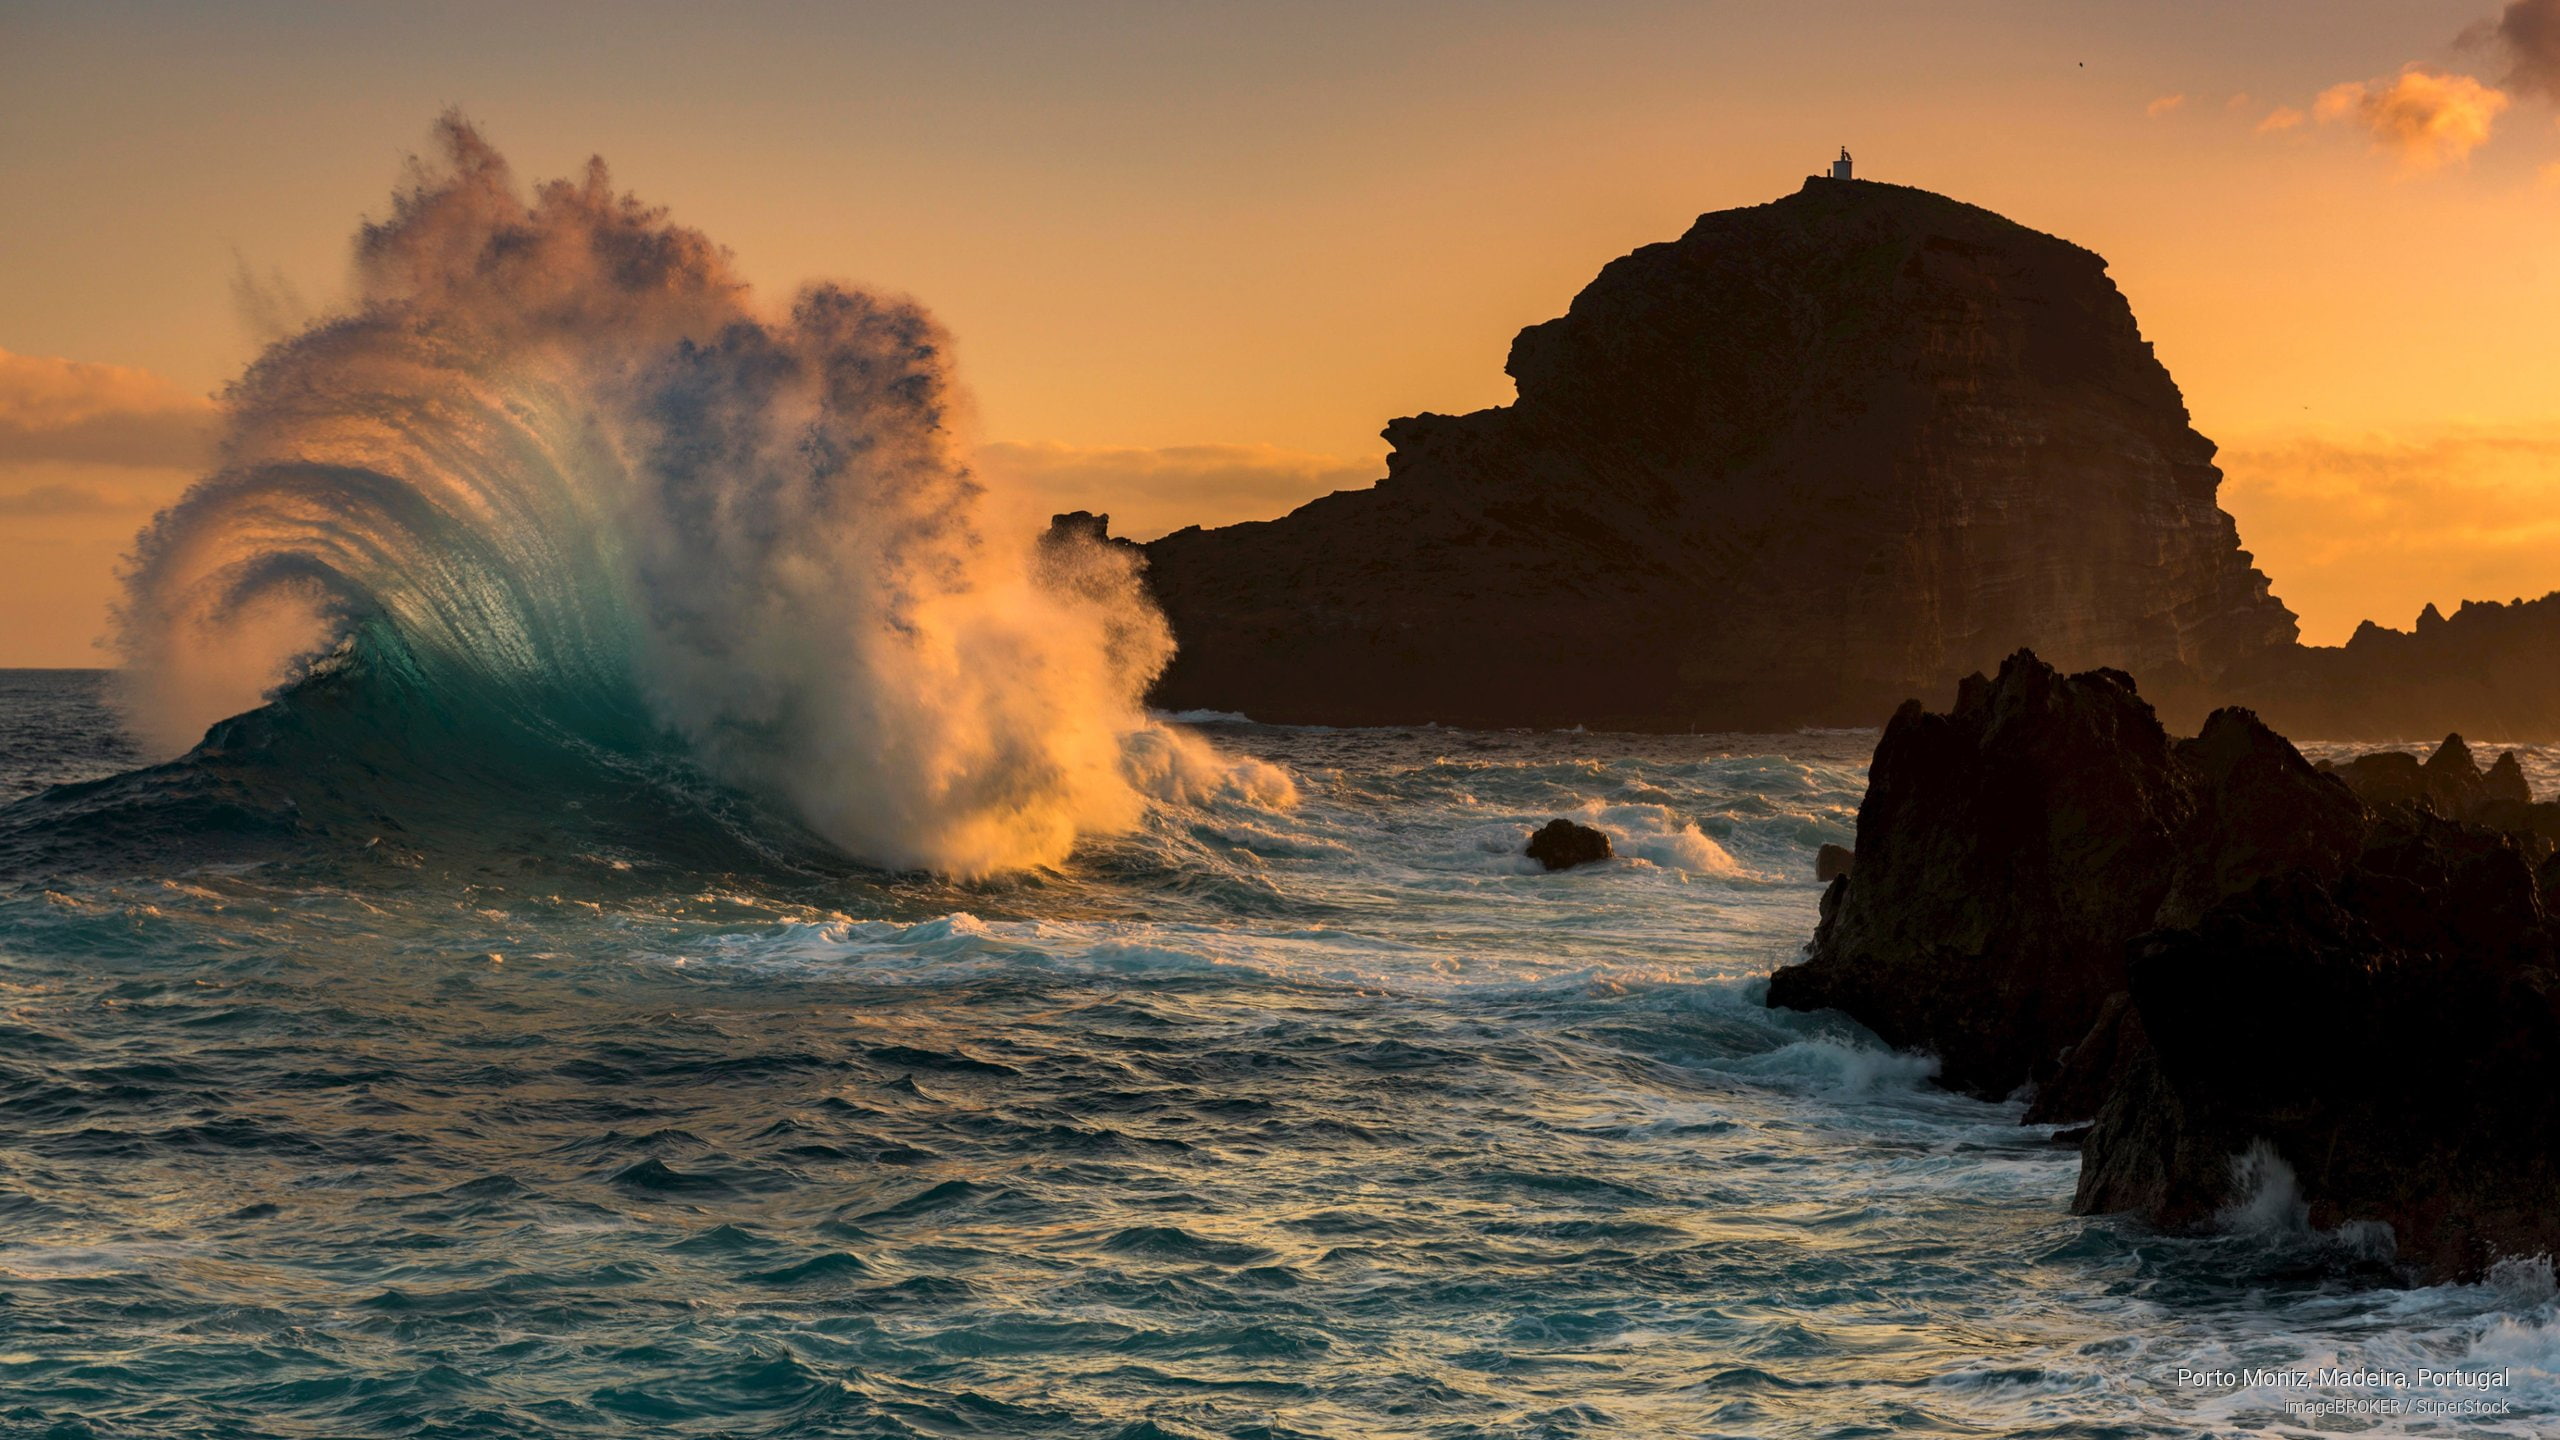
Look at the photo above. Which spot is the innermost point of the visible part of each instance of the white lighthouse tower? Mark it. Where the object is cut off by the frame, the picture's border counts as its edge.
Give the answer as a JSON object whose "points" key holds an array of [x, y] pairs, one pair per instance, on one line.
{"points": [[1840, 167]]}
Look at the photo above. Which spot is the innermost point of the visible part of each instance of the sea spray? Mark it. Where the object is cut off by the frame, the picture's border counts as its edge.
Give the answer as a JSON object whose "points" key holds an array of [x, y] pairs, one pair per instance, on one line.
{"points": [[552, 464]]}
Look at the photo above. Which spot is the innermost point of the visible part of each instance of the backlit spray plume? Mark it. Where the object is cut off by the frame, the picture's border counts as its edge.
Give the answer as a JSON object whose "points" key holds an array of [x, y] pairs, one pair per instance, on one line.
{"points": [[552, 464]]}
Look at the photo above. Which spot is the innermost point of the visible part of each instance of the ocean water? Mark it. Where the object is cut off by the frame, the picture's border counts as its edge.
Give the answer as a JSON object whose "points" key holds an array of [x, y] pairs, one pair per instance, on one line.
{"points": [[346, 1097]]}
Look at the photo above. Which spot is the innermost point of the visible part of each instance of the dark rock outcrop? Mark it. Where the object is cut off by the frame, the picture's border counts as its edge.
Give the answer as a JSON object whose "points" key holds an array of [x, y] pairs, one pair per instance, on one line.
{"points": [[2218, 951], [2450, 783], [2486, 670], [2007, 850], [1077, 526], [2391, 1036], [1810, 458], [1561, 844], [1833, 861]]}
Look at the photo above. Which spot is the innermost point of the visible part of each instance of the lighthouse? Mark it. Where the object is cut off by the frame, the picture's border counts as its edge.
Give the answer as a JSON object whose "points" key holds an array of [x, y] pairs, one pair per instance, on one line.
{"points": [[1840, 167]]}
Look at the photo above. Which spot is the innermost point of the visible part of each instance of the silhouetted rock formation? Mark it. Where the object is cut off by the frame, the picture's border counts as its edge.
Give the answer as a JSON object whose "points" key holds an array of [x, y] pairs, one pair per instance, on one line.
{"points": [[1810, 458], [2215, 948], [2450, 783], [2008, 850], [1082, 525], [1833, 861], [1561, 844], [2489, 670], [2392, 1035]]}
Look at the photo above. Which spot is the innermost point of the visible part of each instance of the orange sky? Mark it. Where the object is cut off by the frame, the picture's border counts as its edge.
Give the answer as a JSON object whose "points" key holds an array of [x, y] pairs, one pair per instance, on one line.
{"points": [[1196, 256]]}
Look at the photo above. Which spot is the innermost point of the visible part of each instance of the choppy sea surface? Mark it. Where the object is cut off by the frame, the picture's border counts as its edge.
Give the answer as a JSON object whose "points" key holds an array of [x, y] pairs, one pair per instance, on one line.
{"points": [[1335, 1120]]}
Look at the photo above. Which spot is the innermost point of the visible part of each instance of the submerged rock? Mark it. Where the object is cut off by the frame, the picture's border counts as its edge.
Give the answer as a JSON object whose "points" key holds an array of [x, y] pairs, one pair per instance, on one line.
{"points": [[1561, 844]]}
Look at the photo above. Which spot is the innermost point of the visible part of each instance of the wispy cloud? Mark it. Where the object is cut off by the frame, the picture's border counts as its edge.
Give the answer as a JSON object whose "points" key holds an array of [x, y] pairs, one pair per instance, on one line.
{"points": [[2281, 118], [1150, 491], [2164, 105], [53, 409]]}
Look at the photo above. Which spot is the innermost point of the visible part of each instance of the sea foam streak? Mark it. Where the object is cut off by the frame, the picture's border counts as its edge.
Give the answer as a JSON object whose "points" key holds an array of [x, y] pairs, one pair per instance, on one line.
{"points": [[550, 463]]}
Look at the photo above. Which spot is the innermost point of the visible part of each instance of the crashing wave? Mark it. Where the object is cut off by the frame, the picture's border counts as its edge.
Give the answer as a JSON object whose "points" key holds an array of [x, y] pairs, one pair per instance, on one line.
{"points": [[551, 473]]}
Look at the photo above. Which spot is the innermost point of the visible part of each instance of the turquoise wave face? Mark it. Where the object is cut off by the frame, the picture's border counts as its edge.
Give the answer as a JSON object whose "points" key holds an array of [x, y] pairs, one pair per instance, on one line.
{"points": [[1338, 1118]]}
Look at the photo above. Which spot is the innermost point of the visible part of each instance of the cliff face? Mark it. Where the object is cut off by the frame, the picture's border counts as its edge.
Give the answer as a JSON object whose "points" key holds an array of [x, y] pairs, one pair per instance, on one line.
{"points": [[1811, 458]]}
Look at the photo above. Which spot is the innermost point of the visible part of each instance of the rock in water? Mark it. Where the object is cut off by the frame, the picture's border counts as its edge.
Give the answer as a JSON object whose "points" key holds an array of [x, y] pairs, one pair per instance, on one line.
{"points": [[2007, 850], [2392, 1035], [2451, 783], [2218, 950], [2505, 782], [1833, 861], [1561, 844], [1810, 458]]}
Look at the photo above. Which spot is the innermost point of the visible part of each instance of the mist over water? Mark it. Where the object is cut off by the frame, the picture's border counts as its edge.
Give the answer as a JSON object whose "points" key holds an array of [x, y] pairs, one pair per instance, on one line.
{"points": [[553, 472]]}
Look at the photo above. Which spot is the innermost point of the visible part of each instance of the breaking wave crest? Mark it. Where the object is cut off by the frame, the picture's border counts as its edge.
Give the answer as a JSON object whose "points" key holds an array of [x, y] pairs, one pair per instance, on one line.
{"points": [[552, 480]]}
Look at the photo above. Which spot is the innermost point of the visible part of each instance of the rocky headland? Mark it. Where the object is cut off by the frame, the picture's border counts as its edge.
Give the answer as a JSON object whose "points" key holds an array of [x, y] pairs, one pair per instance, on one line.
{"points": [[2212, 948], [1809, 458]]}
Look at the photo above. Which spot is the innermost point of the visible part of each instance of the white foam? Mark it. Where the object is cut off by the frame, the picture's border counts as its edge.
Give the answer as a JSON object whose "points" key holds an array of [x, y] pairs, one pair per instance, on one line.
{"points": [[2267, 1199]]}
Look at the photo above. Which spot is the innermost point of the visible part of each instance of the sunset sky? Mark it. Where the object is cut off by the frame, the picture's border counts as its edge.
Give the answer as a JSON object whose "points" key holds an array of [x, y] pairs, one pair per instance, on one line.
{"points": [[1195, 256]]}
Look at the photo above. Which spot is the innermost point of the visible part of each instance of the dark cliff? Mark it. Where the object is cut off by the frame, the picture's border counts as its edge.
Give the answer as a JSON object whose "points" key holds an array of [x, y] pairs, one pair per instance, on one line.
{"points": [[2486, 671], [2223, 956], [1808, 459]]}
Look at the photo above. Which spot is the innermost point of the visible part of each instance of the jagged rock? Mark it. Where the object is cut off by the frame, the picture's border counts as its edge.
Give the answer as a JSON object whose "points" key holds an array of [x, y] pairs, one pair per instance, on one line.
{"points": [[2008, 849], [1810, 458], [2389, 777], [2219, 951], [2391, 1034], [1833, 861], [1561, 844], [2486, 669], [2450, 783], [1085, 525], [2505, 783]]}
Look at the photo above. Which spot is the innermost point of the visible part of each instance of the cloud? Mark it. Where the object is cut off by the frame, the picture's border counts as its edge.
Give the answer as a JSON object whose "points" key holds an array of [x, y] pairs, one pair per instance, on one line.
{"points": [[65, 499], [1150, 491], [2428, 118], [2281, 118], [68, 410], [2377, 526], [2164, 105], [2528, 33]]}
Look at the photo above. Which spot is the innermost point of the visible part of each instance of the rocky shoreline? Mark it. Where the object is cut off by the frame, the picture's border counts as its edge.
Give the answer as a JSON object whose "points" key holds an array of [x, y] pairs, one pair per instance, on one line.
{"points": [[2210, 948]]}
